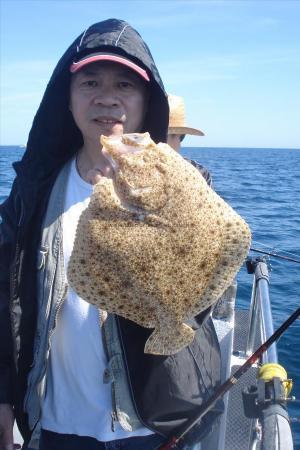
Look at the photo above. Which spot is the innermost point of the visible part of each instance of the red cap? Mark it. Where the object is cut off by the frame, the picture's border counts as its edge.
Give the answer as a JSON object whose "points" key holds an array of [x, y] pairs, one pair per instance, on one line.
{"points": [[94, 57]]}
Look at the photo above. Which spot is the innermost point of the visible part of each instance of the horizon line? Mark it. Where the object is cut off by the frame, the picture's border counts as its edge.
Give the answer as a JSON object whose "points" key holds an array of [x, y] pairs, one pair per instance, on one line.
{"points": [[194, 146]]}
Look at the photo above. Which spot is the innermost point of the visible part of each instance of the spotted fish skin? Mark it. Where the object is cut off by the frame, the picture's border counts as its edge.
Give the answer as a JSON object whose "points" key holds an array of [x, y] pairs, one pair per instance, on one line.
{"points": [[156, 244]]}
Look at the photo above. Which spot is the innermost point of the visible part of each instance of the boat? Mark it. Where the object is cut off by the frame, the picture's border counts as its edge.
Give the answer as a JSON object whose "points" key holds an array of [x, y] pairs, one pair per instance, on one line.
{"points": [[255, 415]]}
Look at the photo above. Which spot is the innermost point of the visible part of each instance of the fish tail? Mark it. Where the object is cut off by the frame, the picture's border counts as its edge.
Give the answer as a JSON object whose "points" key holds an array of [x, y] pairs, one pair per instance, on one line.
{"points": [[169, 340]]}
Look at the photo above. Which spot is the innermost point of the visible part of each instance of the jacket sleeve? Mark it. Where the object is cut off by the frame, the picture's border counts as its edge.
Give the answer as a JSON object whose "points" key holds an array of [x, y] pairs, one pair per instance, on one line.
{"points": [[204, 172], [7, 236]]}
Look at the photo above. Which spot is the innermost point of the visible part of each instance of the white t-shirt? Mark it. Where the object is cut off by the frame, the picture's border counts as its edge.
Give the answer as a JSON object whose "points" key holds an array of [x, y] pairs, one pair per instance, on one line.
{"points": [[77, 401]]}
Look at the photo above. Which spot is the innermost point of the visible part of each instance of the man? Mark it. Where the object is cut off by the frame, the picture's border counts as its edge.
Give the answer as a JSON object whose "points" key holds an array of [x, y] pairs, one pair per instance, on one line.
{"points": [[73, 378], [177, 130]]}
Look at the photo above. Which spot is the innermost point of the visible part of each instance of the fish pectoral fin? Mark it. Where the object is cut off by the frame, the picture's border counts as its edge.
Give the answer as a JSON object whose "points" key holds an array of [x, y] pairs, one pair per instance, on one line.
{"points": [[169, 340]]}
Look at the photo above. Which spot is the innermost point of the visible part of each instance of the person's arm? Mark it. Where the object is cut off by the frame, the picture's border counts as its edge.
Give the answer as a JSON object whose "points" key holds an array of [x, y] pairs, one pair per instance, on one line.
{"points": [[204, 172]]}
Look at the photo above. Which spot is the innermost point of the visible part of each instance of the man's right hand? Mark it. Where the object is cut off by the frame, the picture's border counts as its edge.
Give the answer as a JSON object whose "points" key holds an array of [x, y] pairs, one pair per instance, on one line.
{"points": [[6, 428]]}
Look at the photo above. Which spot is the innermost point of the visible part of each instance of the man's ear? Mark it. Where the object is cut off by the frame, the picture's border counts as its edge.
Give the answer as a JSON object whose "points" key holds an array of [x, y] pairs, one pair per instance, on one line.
{"points": [[147, 102]]}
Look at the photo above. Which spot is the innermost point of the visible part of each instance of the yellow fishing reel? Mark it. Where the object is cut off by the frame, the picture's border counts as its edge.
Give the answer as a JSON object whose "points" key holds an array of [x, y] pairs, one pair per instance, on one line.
{"points": [[272, 388], [268, 372]]}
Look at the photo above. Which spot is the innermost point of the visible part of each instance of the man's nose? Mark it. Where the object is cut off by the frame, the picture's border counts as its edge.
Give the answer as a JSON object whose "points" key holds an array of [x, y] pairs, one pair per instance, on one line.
{"points": [[106, 97]]}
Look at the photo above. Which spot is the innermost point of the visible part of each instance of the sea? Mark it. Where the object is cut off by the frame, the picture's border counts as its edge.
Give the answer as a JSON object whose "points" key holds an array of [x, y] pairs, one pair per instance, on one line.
{"points": [[263, 186]]}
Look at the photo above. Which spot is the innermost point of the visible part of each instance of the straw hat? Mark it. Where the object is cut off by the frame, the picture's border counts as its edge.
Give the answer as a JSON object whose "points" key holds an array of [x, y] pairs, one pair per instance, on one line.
{"points": [[177, 118]]}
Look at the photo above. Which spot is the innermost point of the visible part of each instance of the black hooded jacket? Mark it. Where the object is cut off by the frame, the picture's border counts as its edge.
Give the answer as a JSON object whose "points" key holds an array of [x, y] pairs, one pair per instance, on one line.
{"points": [[165, 390]]}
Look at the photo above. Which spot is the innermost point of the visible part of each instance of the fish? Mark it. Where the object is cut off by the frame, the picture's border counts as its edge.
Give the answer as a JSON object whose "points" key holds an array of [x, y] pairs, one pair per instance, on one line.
{"points": [[156, 245]]}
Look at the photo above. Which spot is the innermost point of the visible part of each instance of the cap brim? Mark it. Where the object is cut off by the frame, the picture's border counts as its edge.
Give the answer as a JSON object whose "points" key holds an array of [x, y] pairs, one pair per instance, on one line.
{"points": [[76, 66], [185, 130]]}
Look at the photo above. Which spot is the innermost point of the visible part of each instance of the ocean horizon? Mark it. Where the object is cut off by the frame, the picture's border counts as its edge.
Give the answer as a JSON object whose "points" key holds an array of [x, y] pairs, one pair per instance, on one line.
{"points": [[23, 146]]}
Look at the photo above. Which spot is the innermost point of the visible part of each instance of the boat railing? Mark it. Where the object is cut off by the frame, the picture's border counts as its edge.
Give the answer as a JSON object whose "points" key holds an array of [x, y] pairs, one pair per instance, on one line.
{"points": [[260, 309], [273, 414]]}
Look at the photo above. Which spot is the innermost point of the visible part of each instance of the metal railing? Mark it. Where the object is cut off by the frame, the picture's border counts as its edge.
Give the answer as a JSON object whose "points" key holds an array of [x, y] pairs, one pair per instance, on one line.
{"points": [[260, 309], [271, 428]]}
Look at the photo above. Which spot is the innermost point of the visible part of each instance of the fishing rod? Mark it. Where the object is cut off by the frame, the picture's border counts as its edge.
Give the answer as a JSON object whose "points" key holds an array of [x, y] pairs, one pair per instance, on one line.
{"points": [[287, 258], [174, 441]]}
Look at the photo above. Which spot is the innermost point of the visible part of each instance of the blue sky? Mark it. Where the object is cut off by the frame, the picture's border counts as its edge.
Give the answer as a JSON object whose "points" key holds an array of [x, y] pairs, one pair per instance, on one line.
{"points": [[237, 63]]}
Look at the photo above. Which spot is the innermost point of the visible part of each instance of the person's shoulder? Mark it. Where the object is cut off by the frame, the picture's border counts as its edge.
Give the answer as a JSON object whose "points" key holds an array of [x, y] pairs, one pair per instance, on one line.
{"points": [[204, 172]]}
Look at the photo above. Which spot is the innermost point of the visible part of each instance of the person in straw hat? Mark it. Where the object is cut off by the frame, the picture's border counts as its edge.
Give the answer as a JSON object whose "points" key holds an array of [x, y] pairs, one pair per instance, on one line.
{"points": [[178, 129]]}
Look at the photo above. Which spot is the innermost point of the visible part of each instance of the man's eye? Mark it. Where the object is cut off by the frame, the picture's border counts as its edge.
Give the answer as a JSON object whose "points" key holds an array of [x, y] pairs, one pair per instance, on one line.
{"points": [[125, 84], [89, 83]]}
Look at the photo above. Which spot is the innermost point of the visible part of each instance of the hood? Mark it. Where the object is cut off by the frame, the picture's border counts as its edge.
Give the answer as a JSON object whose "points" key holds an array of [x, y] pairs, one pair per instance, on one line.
{"points": [[54, 137]]}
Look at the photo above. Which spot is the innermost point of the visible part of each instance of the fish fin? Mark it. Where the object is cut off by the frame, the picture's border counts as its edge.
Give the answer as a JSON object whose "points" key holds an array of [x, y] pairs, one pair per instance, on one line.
{"points": [[169, 340]]}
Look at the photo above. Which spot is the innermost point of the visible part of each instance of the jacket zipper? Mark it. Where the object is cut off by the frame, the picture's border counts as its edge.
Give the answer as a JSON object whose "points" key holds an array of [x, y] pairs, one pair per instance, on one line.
{"points": [[130, 385], [22, 213], [14, 277], [113, 414], [13, 293], [58, 308]]}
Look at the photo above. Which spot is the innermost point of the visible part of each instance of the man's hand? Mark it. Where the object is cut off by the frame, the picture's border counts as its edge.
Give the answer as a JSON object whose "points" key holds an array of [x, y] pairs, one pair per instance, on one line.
{"points": [[94, 175], [6, 428]]}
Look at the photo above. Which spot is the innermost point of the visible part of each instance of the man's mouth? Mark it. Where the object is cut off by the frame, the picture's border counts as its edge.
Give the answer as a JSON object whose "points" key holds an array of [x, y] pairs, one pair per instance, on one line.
{"points": [[107, 121]]}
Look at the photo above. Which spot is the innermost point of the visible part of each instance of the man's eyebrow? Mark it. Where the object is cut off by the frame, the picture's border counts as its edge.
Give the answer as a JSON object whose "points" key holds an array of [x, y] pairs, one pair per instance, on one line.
{"points": [[123, 72], [88, 71]]}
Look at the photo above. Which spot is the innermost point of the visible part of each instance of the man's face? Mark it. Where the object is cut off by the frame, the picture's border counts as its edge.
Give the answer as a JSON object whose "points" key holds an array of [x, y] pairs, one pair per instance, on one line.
{"points": [[107, 98], [174, 141]]}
